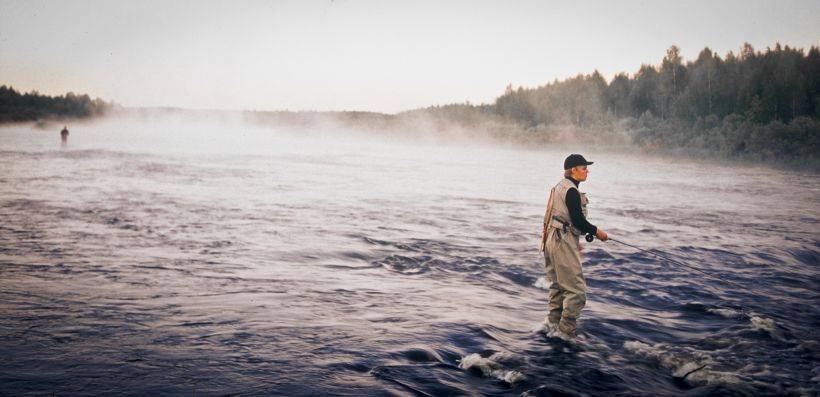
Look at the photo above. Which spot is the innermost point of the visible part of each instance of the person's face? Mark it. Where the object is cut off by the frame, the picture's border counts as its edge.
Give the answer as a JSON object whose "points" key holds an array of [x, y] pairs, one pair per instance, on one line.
{"points": [[580, 173]]}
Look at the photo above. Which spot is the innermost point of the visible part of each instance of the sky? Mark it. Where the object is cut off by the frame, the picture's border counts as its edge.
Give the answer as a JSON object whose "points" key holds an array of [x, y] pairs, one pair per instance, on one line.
{"points": [[383, 56]]}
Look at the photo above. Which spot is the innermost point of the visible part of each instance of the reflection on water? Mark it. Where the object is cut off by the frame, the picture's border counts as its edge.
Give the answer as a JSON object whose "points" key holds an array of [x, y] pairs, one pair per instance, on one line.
{"points": [[144, 263]]}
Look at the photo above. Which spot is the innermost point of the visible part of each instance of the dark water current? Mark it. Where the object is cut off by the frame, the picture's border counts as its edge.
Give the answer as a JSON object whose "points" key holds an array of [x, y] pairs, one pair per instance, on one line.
{"points": [[321, 268]]}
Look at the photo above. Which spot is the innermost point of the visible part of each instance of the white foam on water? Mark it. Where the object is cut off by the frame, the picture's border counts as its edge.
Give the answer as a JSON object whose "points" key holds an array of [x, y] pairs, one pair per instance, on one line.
{"points": [[591, 346], [492, 366], [768, 325], [728, 313], [542, 283], [682, 360], [656, 294], [552, 331], [678, 365], [760, 323], [543, 326]]}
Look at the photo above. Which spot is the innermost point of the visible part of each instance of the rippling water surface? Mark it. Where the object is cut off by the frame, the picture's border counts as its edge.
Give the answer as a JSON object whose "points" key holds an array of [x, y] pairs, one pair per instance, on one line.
{"points": [[242, 264]]}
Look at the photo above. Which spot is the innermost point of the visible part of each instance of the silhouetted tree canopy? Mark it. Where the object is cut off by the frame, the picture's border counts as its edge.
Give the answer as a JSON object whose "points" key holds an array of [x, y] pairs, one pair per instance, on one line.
{"points": [[754, 105], [779, 84], [32, 106], [762, 105]]}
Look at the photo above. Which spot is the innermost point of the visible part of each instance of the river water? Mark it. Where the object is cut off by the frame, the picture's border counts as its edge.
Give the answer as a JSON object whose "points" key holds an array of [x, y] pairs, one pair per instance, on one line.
{"points": [[228, 260]]}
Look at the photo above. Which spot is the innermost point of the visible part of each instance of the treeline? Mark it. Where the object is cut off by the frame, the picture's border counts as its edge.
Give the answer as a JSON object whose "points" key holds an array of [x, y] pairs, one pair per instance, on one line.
{"points": [[763, 105], [17, 107]]}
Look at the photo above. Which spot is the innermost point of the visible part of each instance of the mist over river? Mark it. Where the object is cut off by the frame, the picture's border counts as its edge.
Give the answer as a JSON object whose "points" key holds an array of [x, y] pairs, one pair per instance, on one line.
{"points": [[214, 259]]}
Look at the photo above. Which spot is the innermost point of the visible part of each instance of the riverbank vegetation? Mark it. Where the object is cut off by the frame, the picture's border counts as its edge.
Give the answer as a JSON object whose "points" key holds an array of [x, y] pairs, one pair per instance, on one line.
{"points": [[753, 105], [759, 105], [32, 106]]}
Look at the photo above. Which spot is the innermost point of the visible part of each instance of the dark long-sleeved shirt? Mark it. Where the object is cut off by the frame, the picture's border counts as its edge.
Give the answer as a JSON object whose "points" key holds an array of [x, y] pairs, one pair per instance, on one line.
{"points": [[577, 217]]}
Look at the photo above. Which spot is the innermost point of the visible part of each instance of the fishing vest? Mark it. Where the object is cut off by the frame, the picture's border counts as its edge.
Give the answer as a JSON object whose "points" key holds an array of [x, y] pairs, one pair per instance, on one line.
{"points": [[560, 212]]}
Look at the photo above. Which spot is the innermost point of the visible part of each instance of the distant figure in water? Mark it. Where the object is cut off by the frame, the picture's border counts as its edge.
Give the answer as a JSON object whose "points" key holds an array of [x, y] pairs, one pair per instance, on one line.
{"points": [[565, 222], [64, 136]]}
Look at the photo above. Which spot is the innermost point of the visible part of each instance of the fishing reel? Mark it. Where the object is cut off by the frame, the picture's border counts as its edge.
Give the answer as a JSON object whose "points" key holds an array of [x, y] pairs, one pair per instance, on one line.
{"points": [[589, 237]]}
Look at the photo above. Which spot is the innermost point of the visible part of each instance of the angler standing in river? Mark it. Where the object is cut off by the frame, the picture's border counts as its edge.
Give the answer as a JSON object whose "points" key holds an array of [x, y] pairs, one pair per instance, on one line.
{"points": [[64, 136], [564, 223]]}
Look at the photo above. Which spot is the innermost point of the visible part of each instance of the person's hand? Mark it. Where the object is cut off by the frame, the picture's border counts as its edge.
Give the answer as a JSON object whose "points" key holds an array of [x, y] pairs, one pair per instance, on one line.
{"points": [[601, 235]]}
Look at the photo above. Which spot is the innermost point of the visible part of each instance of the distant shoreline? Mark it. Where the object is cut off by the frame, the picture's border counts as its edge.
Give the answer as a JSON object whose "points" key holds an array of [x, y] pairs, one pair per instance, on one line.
{"points": [[712, 108]]}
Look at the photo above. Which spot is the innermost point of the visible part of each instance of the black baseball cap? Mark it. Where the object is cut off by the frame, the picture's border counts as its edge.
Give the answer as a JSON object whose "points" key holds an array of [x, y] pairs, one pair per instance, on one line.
{"points": [[574, 160]]}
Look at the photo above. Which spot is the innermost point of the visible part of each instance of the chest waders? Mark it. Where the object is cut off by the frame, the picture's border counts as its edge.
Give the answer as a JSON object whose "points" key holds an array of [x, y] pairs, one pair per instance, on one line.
{"points": [[567, 291]]}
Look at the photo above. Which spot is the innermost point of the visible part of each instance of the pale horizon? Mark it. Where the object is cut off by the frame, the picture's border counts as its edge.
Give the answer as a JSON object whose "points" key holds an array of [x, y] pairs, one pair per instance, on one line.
{"points": [[360, 55]]}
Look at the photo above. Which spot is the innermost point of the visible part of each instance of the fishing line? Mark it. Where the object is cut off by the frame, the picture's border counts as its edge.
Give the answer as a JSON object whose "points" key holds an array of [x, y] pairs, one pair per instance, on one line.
{"points": [[679, 263], [744, 311]]}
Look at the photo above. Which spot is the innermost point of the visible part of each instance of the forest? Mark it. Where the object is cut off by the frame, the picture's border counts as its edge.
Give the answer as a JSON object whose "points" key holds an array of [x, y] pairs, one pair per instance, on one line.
{"points": [[762, 105], [32, 106], [753, 105]]}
